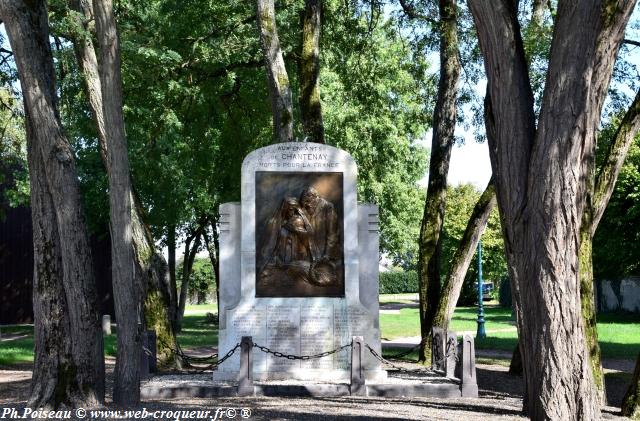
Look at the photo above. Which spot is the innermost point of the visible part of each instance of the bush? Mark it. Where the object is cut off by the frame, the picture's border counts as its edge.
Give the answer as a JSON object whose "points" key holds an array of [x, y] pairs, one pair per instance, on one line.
{"points": [[398, 282], [505, 292]]}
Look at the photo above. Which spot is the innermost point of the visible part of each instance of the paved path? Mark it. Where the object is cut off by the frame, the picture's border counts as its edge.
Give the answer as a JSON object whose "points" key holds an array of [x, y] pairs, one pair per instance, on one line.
{"points": [[6, 337], [411, 341]]}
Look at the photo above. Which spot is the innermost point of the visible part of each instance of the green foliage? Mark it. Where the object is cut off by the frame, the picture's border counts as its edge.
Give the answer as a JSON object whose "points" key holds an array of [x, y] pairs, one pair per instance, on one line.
{"points": [[398, 282], [14, 177], [460, 203], [196, 103], [615, 254], [202, 280], [375, 103]]}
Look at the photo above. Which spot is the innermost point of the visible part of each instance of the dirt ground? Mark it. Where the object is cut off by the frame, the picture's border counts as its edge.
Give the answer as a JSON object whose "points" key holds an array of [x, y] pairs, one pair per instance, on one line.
{"points": [[500, 399]]}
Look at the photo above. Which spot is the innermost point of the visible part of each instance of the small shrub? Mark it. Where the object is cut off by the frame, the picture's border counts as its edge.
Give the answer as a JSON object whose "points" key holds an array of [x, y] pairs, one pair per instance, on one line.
{"points": [[398, 282]]}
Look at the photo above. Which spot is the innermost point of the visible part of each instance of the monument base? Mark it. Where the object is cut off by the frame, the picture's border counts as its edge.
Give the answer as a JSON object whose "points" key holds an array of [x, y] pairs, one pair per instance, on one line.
{"points": [[302, 374]]}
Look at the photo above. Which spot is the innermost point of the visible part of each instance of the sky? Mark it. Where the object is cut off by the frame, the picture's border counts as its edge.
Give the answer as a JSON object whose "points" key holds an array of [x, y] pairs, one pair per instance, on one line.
{"points": [[469, 163]]}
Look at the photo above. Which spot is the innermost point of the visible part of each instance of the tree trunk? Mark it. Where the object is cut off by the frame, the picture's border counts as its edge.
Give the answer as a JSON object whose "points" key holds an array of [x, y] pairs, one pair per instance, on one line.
{"points": [[462, 258], [537, 12], [187, 266], [173, 284], [213, 251], [153, 275], [150, 265], [631, 401], [541, 178], [310, 106], [126, 291], [53, 382], [216, 267], [277, 77], [444, 121], [588, 301], [61, 239]]}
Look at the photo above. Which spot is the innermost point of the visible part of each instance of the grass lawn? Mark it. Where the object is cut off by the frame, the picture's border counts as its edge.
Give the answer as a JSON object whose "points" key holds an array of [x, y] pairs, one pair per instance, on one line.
{"points": [[407, 322], [195, 333], [619, 334]]}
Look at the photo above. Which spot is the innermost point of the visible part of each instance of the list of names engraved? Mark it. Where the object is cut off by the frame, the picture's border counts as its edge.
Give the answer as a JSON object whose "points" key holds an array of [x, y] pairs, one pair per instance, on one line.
{"points": [[316, 335], [283, 335]]}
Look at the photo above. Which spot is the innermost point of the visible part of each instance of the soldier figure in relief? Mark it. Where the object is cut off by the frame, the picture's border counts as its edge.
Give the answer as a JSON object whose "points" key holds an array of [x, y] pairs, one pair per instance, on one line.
{"points": [[303, 243]]}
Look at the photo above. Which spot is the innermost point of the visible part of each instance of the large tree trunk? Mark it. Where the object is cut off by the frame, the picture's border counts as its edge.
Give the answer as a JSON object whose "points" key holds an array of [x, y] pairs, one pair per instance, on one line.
{"points": [[602, 190], [444, 121], [126, 291], [541, 178], [277, 77], [463, 255], [57, 195], [310, 107], [150, 265], [631, 401], [53, 380]]}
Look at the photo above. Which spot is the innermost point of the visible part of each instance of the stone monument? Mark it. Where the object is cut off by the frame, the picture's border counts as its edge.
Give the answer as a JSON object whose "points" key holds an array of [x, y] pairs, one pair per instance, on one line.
{"points": [[299, 265]]}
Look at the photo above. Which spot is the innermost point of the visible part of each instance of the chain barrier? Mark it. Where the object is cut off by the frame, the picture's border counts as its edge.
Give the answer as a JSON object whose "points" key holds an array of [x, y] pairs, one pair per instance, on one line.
{"points": [[407, 352], [186, 359], [216, 364], [396, 367], [189, 360], [301, 357], [451, 351]]}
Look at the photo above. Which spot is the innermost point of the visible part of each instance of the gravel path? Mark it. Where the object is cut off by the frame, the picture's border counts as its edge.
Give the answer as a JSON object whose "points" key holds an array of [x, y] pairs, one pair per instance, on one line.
{"points": [[500, 399]]}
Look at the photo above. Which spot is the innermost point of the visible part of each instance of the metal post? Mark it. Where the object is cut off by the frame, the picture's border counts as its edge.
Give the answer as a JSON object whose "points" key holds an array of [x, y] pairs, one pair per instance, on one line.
{"points": [[245, 377], [358, 386], [480, 333]]}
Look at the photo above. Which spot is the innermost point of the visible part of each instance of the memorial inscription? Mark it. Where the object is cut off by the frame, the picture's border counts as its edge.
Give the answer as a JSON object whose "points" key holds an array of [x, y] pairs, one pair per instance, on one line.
{"points": [[283, 331]]}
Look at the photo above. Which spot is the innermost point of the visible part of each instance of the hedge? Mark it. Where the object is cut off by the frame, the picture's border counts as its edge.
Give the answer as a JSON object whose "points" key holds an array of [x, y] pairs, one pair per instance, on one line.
{"points": [[505, 292], [398, 282]]}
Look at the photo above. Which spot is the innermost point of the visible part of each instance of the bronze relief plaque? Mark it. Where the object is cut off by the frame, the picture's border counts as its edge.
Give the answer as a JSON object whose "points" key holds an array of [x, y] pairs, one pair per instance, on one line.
{"points": [[299, 234]]}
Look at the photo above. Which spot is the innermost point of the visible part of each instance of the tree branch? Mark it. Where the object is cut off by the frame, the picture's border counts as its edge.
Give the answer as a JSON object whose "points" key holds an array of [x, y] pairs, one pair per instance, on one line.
{"points": [[631, 42], [411, 12], [616, 154], [309, 72], [277, 77]]}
